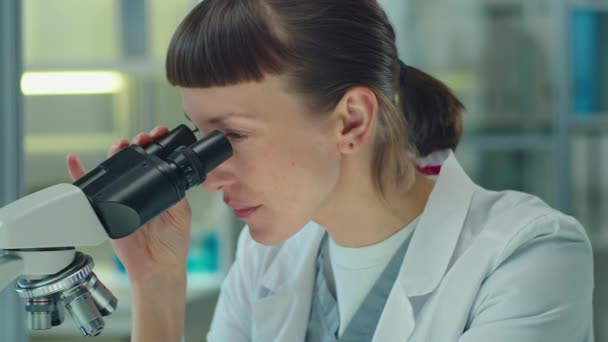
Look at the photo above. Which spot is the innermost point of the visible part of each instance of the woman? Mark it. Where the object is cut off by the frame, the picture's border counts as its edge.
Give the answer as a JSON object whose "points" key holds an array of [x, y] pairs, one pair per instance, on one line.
{"points": [[344, 239]]}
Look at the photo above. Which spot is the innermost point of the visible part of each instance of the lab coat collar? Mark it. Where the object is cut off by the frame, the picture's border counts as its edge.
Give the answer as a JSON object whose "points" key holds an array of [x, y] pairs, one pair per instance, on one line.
{"points": [[429, 253], [438, 230], [286, 289], [289, 270], [430, 250]]}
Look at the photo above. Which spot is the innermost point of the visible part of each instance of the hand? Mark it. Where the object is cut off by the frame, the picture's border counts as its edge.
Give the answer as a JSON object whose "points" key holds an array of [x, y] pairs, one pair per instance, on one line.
{"points": [[159, 249]]}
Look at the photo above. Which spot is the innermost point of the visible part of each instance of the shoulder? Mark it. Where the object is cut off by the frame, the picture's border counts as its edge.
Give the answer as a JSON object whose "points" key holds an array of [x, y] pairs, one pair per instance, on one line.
{"points": [[510, 220], [536, 263]]}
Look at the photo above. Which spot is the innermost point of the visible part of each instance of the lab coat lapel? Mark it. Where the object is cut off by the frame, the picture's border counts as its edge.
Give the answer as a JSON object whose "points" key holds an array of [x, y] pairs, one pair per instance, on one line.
{"points": [[430, 251], [438, 230], [397, 319], [282, 308]]}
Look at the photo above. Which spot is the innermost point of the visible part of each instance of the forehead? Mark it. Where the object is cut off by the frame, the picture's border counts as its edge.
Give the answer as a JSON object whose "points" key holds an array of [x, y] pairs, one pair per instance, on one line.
{"points": [[251, 99]]}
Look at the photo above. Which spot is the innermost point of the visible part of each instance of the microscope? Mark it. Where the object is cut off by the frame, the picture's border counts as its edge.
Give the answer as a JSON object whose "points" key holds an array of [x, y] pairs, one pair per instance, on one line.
{"points": [[39, 233]]}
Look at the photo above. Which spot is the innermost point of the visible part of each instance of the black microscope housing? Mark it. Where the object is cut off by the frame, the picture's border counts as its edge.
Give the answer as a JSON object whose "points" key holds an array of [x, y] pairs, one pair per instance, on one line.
{"points": [[139, 183]]}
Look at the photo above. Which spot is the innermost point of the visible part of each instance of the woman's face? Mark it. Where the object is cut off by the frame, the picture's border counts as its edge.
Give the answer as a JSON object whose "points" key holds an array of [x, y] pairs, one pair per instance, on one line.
{"points": [[286, 162]]}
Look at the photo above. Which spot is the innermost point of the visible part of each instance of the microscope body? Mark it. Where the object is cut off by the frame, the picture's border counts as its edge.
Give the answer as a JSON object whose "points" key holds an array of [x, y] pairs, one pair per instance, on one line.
{"points": [[39, 232]]}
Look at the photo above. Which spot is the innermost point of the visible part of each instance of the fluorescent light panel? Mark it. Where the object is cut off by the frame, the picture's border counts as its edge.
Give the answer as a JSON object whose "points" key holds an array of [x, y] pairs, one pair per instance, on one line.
{"points": [[71, 82]]}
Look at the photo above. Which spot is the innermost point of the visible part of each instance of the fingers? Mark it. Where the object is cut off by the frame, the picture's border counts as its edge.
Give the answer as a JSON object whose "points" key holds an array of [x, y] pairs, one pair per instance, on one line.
{"points": [[144, 138], [75, 167], [159, 132], [119, 145], [141, 139]]}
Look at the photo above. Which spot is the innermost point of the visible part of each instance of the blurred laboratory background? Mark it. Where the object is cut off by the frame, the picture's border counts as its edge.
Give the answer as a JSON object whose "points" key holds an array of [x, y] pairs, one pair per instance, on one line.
{"points": [[77, 75]]}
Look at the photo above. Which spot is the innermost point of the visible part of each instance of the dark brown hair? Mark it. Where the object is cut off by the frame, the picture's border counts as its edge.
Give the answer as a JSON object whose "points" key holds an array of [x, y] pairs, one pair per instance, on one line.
{"points": [[322, 47], [432, 111]]}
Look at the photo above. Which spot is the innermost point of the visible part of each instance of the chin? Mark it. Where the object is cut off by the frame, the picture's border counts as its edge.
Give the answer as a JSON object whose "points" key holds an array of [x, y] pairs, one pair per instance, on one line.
{"points": [[269, 235], [263, 235]]}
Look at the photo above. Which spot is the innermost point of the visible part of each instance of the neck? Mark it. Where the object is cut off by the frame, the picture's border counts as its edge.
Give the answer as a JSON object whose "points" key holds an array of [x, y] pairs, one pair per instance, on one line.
{"points": [[358, 216]]}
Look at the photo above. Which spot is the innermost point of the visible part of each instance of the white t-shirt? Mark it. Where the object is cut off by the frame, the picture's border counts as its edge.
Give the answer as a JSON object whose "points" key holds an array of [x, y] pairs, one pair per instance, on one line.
{"points": [[352, 272]]}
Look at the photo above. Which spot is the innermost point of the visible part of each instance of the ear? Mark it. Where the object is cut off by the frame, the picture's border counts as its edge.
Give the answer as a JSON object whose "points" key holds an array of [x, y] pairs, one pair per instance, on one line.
{"points": [[357, 111]]}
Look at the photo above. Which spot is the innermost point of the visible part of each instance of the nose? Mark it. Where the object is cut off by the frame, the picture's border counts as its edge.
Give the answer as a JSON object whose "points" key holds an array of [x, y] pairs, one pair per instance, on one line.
{"points": [[219, 178]]}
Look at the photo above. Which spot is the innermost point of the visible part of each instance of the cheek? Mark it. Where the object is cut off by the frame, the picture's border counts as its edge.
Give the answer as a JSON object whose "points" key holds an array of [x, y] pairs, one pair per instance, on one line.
{"points": [[297, 172], [293, 183], [300, 176]]}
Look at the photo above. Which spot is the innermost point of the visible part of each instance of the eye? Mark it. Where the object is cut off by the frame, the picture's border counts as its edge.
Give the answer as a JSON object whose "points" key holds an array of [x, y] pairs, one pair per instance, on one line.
{"points": [[235, 136]]}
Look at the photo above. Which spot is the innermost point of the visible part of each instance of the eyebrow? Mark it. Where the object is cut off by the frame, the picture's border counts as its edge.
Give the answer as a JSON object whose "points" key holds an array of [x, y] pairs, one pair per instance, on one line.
{"points": [[220, 118]]}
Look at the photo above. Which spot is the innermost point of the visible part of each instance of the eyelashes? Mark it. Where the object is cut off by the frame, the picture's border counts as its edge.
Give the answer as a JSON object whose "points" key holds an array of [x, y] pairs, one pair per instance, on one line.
{"points": [[232, 135], [235, 136]]}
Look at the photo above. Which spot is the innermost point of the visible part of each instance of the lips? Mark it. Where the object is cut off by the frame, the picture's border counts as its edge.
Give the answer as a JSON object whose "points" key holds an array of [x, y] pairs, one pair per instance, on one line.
{"points": [[241, 210]]}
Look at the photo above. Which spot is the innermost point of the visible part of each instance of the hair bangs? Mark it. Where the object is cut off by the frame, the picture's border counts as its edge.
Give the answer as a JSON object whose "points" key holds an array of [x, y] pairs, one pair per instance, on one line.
{"points": [[223, 43]]}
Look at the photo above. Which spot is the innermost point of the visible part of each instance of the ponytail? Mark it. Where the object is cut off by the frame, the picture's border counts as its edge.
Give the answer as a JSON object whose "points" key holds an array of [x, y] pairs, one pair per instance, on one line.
{"points": [[432, 111]]}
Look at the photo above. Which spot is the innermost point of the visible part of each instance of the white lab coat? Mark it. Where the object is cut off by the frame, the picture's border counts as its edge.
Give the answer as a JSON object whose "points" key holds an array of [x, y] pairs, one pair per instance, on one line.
{"points": [[482, 266]]}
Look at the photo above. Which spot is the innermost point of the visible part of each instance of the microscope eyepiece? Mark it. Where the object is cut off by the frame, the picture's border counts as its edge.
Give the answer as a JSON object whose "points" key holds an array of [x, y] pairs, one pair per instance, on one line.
{"points": [[137, 184], [196, 160], [163, 147], [213, 150]]}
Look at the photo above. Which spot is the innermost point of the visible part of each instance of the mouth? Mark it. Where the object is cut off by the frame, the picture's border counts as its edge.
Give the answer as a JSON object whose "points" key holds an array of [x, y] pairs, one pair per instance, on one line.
{"points": [[242, 211]]}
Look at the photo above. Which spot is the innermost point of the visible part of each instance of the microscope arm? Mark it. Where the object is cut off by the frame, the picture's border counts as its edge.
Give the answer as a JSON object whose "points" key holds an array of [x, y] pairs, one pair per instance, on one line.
{"points": [[59, 216], [11, 267]]}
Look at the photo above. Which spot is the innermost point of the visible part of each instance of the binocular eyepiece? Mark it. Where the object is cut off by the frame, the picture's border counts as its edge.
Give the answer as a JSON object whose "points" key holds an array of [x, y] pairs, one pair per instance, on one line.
{"points": [[137, 184], [203, 155]]}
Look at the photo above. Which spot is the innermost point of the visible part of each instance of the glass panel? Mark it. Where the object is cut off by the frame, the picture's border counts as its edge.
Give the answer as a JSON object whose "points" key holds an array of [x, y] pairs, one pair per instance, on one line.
{"points": [[590, 166], [588, 56], [71, 31], [520, 170], [589, 75], [493, 54], [166, 15], [590, 200]]}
